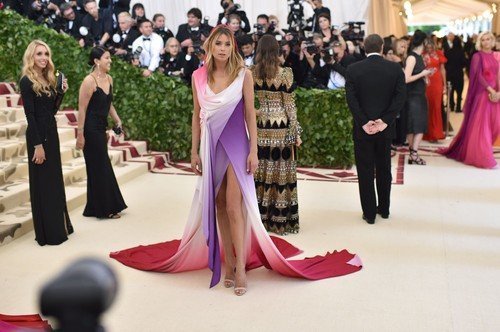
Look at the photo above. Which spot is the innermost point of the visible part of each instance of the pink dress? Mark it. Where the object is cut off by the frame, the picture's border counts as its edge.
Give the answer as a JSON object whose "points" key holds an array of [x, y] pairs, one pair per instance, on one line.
{"points": [[223, 141], [473, 144]]}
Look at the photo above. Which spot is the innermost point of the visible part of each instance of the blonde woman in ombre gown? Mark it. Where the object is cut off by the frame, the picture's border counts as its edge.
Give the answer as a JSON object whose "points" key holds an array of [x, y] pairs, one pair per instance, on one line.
{"points": [[224, 206]]}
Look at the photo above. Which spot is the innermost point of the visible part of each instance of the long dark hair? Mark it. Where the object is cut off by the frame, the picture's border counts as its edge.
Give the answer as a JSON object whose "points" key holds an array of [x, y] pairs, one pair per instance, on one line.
{"points": [[266, 58], [138, 5]]}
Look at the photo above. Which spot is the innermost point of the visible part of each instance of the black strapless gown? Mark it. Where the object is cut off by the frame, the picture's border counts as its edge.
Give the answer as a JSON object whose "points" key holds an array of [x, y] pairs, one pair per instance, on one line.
{"points": [[103, 194]]}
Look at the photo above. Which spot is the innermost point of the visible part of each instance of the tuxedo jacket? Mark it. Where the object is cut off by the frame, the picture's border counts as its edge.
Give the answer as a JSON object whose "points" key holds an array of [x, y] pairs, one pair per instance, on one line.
{"points": [[375, 89]]}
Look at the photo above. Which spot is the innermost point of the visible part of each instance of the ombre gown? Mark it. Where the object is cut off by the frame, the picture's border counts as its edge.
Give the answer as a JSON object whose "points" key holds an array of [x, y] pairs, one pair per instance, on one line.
{"points": [[473, 144], [224, 140]]}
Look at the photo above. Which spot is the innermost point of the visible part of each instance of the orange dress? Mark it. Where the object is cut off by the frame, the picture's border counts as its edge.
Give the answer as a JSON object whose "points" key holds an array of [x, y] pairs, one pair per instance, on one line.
{"points": [[434, 94]]}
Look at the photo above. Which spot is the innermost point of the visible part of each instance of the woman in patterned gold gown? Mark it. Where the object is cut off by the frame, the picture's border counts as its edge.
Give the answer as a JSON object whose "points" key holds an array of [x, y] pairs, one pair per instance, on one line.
{"points": [[278, 135]]}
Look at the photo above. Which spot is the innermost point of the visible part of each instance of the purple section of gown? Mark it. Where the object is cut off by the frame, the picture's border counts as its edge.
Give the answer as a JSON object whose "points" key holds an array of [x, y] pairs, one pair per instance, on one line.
{"points": [[233, 143]]}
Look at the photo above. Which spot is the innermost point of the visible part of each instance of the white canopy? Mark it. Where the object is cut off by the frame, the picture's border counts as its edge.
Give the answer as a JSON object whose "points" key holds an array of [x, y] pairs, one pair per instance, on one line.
{"points": [[427, 12]]}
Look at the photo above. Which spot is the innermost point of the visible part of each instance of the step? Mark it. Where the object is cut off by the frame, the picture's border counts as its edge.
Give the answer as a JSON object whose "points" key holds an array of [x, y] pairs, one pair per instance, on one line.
{"points": [[10, 171], [12, 114], [15, 191], [12, 148], [12, 130], [10, 100], [18, 221]]}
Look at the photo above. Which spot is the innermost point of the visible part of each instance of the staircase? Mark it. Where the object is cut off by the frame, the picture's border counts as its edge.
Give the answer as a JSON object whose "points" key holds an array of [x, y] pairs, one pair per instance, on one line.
{"points": [[130, 159]]}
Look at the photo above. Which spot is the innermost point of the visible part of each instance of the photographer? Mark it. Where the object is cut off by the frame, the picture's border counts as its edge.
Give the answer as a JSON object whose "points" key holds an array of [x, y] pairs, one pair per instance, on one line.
{"points": [[333, 65], [261, 26], [274, 27], [176, 63], [126, 35], [160, 28], [290, 59], [317, 6], [72, 23], [45, 12], [231, 8], [98, 22], [309, 59], [328, 33], [193, 32], [150, 46]]}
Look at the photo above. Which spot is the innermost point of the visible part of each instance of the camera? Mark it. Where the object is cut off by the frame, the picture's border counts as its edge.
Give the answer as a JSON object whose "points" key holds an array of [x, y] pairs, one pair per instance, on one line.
{"points": [[48, 18], [295, 18], [260, 30], [79, 296], [137, 53], [354, 32], [311, 47], [328, 54], [90, 41]]}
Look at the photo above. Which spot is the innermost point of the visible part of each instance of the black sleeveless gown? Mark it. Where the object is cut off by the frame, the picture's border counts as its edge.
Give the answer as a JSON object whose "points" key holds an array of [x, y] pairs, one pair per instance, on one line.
{"points": [[48, 200], [103, 194]]}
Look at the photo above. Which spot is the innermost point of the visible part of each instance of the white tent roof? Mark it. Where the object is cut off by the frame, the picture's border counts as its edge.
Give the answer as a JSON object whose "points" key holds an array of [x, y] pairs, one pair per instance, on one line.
{"points": [[427, 12]]}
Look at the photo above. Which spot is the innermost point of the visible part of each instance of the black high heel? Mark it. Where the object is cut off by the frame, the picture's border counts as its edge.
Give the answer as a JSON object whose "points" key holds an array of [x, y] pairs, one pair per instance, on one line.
{"points": [[414, 158]]}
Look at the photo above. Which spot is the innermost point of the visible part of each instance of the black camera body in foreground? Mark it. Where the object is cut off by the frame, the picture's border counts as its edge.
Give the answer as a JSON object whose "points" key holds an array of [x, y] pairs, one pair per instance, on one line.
{"points": [[79, 295]]}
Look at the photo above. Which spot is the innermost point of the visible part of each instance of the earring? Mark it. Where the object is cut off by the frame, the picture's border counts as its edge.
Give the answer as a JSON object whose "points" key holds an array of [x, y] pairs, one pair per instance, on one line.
{"points": [[98, 70]]}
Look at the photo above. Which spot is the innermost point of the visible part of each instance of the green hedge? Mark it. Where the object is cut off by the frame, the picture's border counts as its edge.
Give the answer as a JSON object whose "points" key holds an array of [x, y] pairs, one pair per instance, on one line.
{"points": [[158, 109]]}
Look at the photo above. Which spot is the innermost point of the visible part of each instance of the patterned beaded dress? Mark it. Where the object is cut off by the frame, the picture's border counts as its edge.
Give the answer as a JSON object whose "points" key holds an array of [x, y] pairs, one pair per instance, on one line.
{"points": [[277, 131]]}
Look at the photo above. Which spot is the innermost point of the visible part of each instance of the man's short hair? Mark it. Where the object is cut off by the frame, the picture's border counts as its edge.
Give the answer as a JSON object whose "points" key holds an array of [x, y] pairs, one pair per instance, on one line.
{"points": [[195, 12], [245, 40], [264, 16], [85, 2], [64, 7], [373, 44], [142, 21]]}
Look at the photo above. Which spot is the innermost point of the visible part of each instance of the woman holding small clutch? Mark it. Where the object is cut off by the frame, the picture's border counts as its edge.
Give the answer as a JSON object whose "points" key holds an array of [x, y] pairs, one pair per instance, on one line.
{"points": [[48, 199], [104, 199]]}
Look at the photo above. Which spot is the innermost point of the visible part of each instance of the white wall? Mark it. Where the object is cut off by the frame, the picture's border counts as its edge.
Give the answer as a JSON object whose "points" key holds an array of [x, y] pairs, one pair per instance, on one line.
{"points": [[175, 10]]}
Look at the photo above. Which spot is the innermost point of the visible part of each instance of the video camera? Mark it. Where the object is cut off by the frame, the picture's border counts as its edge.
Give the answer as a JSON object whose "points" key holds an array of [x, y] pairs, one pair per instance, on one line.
{"points": [[354, 32], [260, 29], [295, 20]]}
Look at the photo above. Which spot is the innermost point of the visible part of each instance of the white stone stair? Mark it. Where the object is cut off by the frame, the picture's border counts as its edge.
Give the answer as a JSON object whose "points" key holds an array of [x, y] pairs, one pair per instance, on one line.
{"points": [[130, 159]]}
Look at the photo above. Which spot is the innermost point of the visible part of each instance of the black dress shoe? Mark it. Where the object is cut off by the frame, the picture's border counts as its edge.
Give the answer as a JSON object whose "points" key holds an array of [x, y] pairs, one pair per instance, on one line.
{"points": [[383, 215], [370, 221]]}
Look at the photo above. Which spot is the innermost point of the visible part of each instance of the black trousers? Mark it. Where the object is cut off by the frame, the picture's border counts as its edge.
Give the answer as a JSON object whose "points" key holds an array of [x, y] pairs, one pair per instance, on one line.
{"points": [[457, 86], [373, 156]]}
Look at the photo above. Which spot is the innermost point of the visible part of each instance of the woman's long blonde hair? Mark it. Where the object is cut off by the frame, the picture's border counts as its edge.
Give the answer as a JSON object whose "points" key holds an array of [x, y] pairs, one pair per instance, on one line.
{"points": [[479, 45], [48, 72], [235, 62]]}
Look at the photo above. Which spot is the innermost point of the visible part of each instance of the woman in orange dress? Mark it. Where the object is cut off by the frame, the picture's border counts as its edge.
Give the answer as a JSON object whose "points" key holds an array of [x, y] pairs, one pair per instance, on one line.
{"points": [[434, 59]]}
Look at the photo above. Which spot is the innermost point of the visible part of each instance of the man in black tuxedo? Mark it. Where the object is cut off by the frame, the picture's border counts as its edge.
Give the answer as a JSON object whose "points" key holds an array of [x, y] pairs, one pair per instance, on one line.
{"points": [[376, 92]]}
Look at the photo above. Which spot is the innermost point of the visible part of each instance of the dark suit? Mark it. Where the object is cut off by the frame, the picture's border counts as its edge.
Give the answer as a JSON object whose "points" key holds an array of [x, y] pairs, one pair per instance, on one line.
{"points": [[375, 89]]}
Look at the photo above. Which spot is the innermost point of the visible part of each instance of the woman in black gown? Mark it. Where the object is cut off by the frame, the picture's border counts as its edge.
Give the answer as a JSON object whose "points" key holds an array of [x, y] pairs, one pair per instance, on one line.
{"points": [[104, 199], [48, 199]]}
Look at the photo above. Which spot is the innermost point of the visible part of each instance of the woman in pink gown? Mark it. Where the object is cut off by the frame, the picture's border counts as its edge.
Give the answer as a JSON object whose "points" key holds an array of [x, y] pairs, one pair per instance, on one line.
{"points": [[473, 144], [225, 193]]}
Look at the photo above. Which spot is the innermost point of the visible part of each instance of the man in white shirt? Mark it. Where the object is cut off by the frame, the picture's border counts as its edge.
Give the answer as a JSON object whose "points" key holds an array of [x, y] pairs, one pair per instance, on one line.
{"points": [[151, 45]]}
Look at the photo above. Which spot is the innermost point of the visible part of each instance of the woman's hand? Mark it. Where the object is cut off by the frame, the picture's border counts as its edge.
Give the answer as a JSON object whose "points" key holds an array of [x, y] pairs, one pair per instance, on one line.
{"points": [[298, 142], [39, 155], [80, 141], [196, 163], [65, 85], [252, 162]]}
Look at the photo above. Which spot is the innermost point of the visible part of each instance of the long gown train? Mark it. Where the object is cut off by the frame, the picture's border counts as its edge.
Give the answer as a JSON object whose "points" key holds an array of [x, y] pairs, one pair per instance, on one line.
{"points": [[224, 140]]}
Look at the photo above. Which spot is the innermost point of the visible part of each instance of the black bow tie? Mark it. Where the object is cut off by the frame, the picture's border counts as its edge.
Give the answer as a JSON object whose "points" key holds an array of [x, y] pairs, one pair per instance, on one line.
{"points": [[248, 56], [146, 38]]}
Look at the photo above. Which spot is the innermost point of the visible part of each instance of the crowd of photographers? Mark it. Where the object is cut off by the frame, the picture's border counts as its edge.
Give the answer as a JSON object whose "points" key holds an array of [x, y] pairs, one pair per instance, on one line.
{"points": [[317, 52]]}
